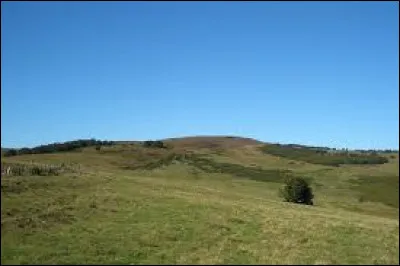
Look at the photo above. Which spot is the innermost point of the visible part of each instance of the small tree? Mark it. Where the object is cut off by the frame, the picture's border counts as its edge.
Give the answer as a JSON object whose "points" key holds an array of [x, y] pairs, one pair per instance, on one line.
{"points": [[297, 190]]}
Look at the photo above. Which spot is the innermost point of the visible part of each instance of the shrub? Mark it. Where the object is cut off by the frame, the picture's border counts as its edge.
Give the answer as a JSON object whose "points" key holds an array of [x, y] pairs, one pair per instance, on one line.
{"points": [[153, 144], [11, 152], [98, 147], [297, 190]]}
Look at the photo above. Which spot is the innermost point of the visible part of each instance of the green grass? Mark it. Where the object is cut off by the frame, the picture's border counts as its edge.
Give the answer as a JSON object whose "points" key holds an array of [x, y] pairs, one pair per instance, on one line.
{"points": [[208, 209], [379, 189]]}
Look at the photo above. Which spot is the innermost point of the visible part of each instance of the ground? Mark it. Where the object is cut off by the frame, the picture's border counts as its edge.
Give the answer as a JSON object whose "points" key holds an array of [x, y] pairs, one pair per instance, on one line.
{"points": [[116, 209]]}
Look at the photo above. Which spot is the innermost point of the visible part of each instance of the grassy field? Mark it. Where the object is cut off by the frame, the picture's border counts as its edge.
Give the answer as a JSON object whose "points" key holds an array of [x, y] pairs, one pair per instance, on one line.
{"points": [[126, 204]]}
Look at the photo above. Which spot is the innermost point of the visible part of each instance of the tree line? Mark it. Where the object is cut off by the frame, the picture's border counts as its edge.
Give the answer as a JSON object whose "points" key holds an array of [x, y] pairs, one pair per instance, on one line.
{"points": [[58, 147], [323, 157]]}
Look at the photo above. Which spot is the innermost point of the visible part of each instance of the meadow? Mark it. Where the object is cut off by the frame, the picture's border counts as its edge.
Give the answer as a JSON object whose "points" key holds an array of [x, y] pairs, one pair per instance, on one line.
{"points": [[200, 200]]}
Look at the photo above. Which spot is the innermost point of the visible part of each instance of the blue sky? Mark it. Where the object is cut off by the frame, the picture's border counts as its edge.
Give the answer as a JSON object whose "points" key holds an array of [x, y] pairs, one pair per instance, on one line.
{"points": [[318, 73]]}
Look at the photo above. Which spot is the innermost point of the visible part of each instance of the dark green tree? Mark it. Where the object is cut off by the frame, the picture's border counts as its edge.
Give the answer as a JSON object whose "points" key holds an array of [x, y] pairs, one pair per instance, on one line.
{"points": [[297, 190]]}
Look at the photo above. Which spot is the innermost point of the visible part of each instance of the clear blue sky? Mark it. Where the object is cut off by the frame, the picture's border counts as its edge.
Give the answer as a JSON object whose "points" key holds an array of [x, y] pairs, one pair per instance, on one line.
{"points": [[319, 73]]}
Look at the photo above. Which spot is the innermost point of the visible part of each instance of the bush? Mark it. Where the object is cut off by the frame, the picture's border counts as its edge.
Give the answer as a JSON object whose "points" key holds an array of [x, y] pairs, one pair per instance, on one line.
{"points": [[297, 190], [98, 147], [154, 144], [11, 152]]}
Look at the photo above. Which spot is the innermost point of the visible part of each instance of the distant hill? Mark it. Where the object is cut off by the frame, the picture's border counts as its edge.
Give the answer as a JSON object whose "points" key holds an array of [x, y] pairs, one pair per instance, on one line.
{"points": [[198, 142], [189, 143]]}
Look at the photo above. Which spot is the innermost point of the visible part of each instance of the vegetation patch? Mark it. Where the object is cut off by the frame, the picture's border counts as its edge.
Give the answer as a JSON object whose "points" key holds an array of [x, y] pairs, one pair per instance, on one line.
{"points": [[378, 189], [254, 173], [58, 147], [210, 166], [154, 144], [152, 161], [322, 156], [19, 169]]}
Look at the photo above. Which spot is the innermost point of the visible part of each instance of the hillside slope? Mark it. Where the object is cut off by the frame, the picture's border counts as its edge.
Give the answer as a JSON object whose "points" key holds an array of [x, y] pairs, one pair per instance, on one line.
{"points": [[202, 200]]}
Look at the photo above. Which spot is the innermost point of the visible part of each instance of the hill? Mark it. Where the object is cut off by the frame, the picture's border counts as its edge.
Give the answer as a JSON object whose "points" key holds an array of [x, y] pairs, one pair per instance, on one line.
{"points": [[212, 142], [198, 200]]}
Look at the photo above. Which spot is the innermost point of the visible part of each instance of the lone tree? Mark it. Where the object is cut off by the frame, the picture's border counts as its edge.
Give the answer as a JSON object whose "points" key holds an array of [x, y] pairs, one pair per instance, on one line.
{"points": [[297, 190]]}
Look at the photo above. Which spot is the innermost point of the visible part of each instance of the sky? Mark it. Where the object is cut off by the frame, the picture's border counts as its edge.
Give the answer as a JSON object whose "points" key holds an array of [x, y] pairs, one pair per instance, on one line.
{"points": [[313, 73]]}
